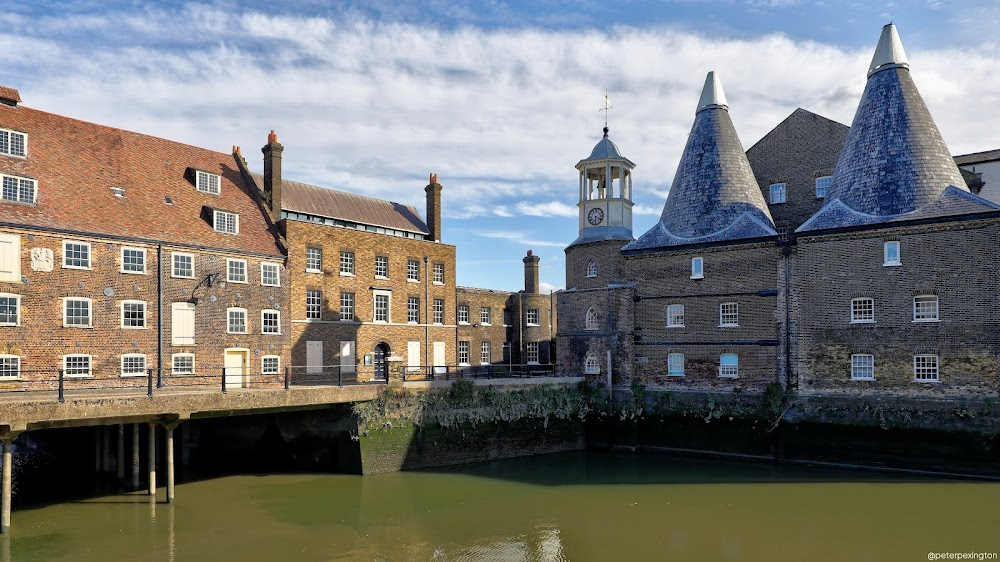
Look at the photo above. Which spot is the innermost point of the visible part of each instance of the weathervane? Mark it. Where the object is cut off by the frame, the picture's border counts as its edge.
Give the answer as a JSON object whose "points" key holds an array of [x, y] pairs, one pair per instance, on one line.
{"points": [[607, 107]]}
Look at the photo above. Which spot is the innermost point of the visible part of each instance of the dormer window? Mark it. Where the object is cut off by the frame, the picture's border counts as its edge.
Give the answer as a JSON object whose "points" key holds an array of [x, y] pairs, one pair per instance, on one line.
{"points": [[226, 222], [118, 192], [207, 183], [17, 189], [13, 143]]}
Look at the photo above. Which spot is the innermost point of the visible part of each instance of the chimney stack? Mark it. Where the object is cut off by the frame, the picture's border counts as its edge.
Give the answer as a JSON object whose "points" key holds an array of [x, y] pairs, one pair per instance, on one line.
{"points": [[531, 273], [272, 175], [433, 190]]}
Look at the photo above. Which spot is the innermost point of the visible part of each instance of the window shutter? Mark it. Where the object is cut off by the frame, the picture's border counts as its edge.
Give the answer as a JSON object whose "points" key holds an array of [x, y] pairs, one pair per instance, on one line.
{"points": [[182, 323], [347, 360], [10, 258]]}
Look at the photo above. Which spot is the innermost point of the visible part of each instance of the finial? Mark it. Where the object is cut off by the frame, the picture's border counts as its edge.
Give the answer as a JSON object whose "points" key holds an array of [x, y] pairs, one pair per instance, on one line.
{"points": [[712, 96], [889, 52]]}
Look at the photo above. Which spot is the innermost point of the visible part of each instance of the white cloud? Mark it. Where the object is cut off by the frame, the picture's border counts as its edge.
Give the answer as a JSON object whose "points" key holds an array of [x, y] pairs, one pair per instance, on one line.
{"points": [[518, 238], [546, 288], [550, 209]]}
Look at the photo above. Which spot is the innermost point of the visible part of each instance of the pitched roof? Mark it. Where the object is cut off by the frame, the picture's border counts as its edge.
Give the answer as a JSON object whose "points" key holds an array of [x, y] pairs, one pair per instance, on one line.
{"points": [[76, 164], [978, 157], [313, 200], [714, 196], [10, 94]]}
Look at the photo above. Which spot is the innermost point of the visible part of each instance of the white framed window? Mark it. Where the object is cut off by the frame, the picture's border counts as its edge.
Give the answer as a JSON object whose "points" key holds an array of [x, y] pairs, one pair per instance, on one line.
{"points": [[925, 308], [439, 311], [314, 304], [270, 365], [182, 315], [347, 263], [207, 183], [133, 314], [590, 323], [347, 306], [381, 267], [675, 315], [463, 353], [314, 260], [925, 368], [133, 260], [381, 301], [10, 258], [183, 265], [236, 270], [270, 322], [463, 314], [823, 184], [237, 321], [227, 222], [76, 312], [485, 315], [413, 270], [413, 310], [182, 364], [862, 367], [485, 353], [890, 253], [16, 189], [439, 274], [13, 143], [591, 365], [591, 269], [76, 255], [675, 364], [133, 365], [778, 192], [10, 367], [269, 274], [729, 365], [532, 351], [729, 314], [862, 310], [78, 365], [697, 268], [10, 309], [531, 317]]}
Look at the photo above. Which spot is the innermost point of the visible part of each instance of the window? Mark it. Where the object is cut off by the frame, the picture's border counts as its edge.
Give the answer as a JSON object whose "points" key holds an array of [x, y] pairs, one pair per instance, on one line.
{"points": [[76, 255], [10, 258], [532, 349], [463, 353], [76, 312], [890, 253], [270, 365], [381, 267], [463, 314], [729, 314], [182, 364], [347, 306], [675, 316], [925, 308], [783, 233], [412, 270], [18, 189], [439, 311], [925, 368], [823, 185], [590, 323], [381, 307], [778, 193], [347, 263], [182, 323], [133, 260], [485, 315], [862, 367], [697, 268], [226, 222], [206, 182], [77, 366], [13, 143], [237, 320], [236, 271], [270, 322], [183, 265], [133, 365], [314, 260], [591, 365], [485, 353], [862, 310], [10, 366], [314, 305], [675, 365], [506, 351], [532, 317], [591, 269], [133, 314], [729, 365], [10, 309], [413, 310], [439, 274], [269, 274]]}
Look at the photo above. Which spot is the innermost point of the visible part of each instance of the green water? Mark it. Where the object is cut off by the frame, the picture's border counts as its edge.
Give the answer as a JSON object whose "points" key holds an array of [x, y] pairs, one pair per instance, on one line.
{"points": [[574, 506]]}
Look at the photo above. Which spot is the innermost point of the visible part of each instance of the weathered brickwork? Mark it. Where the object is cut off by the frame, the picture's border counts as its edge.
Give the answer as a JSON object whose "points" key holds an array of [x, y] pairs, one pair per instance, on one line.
{"points": [[607, 259], [613, 332], [496, 334]]}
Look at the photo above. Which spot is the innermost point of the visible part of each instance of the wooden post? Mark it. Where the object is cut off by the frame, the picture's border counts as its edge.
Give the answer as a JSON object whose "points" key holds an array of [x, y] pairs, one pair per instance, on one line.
{"points": [[135, 456], [8, 460], [151, 456], [120, 459], [170, 463]]}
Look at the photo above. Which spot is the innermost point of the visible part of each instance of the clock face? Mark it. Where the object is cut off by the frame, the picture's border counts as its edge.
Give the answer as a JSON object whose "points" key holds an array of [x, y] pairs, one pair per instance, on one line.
{"points": [[595, 216]]}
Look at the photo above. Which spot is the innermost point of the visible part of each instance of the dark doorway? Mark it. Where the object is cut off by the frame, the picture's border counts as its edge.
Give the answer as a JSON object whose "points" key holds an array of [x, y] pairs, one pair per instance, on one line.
{"points": [[382, 353]]}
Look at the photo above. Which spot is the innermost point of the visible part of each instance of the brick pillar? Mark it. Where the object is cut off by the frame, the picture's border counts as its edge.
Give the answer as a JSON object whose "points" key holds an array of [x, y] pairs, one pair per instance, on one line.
{"points": [[272, 174], [433, 191], [531, 273]]}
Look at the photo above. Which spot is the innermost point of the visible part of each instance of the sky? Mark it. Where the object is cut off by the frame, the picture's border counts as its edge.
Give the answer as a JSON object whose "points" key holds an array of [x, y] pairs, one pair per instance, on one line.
{"points": [[500, 99]]}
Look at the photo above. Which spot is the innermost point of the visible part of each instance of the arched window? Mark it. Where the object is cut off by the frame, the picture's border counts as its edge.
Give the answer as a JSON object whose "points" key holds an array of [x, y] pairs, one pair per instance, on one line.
{"points": [[591, 323], [591, 269], [591, 366]]}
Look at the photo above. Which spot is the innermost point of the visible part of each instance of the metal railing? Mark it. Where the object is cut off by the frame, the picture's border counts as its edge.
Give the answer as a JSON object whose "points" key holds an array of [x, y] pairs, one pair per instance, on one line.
{"points": [[463, 372]]}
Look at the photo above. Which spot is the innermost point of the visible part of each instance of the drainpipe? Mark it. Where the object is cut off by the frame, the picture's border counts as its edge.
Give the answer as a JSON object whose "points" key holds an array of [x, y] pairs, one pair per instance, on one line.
{"points": [[427, 319], [786, 249], [159, 315], [521, 346]]}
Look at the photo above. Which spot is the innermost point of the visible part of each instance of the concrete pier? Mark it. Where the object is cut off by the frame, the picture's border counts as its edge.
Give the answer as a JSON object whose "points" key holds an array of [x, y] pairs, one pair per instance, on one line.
{"points": [[170, 463], [120, 457], [135, 456], [151, 458], [8, 461]]}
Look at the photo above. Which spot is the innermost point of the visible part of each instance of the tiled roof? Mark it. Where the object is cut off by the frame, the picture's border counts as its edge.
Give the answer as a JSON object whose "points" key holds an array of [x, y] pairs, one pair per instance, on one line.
{"points": [[978, 157], [310, 199], [11, 94], [76, 164]]}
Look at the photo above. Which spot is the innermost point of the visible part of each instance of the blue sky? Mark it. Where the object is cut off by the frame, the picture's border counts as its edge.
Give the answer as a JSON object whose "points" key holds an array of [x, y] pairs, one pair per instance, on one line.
{"points": [[500, 99]]}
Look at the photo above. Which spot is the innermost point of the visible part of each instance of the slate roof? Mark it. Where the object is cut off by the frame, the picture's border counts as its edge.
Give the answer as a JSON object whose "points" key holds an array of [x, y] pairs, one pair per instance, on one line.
{"points": [[714, 196], [313, 200], [76, 164], [604, 149], [978, 157]]}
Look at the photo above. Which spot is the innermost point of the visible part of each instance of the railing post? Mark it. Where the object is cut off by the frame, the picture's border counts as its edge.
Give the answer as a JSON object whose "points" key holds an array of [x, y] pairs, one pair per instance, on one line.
{"points": [[340, 376], [223, 380], [159, 379], [149, 383], [62, 396], [489, 371], [288, 377]]}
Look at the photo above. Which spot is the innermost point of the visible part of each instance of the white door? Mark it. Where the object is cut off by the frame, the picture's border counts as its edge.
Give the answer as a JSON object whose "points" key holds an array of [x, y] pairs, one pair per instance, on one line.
{"points": [[439, 363], [314, 357], [413, 356], [236, 365]]}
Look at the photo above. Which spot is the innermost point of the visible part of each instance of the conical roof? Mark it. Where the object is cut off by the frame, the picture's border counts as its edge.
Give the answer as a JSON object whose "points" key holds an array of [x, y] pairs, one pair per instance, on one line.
{"points": [[714, 196]]}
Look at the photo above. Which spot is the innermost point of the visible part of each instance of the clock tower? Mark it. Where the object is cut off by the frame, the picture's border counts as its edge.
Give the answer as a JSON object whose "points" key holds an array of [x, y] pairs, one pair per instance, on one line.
{"points": [[605, 198]]}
